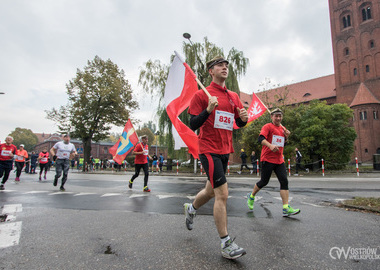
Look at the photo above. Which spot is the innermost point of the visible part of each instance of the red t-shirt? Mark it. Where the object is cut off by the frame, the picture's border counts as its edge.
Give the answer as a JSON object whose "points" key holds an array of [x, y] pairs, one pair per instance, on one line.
{"points": [[5, 150], [215, 134], [141, 159], [44, 157], [274, 135]]}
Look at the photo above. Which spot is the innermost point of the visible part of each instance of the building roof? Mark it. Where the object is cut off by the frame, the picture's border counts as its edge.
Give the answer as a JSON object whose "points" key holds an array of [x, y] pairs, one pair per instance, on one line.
{"points": [[319, 88], [42, 136], [364, 96]]}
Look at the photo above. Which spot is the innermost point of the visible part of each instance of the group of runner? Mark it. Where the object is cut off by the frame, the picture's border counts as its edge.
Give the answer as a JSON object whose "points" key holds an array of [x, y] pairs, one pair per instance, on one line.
{"points": [[214, 116], [61, 152]]}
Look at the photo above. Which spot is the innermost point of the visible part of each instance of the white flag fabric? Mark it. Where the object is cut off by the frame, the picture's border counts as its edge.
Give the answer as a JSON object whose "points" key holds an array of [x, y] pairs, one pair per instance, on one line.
{"points": [[179, 90]]}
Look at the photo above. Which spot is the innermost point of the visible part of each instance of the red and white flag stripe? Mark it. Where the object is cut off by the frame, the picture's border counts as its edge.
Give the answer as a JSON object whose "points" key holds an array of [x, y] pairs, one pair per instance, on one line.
{"points": [[180, 88]]}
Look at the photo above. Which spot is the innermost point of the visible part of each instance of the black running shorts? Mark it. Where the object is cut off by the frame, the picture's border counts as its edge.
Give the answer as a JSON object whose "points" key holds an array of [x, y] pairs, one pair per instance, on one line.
{"points": [[215, 167]]}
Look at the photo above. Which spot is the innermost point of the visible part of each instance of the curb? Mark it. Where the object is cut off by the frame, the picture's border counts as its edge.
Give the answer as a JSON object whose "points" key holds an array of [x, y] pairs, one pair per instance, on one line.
{"points": [[357, 207]]}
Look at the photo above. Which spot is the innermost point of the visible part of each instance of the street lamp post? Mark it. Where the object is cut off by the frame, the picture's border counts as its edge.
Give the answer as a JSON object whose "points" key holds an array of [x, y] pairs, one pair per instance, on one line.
{"points": [[156, 134], [188, 36]]}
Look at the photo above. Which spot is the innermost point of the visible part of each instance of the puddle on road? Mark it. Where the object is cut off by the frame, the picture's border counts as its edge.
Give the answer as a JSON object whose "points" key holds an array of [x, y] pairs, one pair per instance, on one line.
{"points": [[109, 250], [3, 218]]}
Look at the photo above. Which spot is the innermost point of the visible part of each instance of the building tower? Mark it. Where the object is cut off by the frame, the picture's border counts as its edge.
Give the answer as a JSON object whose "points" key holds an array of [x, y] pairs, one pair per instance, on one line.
{"points": [[355, 32]]}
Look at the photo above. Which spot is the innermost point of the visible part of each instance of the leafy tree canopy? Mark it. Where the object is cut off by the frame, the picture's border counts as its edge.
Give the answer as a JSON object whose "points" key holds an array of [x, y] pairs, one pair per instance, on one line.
{"points": [[318, 130], [98, 97], [24, 136]]}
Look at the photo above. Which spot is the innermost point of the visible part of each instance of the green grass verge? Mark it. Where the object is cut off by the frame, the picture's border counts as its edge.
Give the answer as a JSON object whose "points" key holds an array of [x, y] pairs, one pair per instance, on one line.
{"points": [[371, 204]]}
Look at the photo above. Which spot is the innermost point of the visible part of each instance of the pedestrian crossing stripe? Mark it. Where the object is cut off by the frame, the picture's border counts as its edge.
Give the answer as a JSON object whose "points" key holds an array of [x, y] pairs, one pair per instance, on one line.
{"points": [[111, 194], [36, 192], [10, 231], [84, 193]]}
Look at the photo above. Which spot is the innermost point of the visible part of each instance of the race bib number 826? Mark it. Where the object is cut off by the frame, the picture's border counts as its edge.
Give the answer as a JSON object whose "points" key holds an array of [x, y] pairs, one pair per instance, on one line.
{"points": [[224, 120]]}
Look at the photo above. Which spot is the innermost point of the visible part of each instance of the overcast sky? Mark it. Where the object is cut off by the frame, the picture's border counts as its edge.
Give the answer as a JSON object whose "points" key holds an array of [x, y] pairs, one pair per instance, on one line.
{"points": [[42, 43]]}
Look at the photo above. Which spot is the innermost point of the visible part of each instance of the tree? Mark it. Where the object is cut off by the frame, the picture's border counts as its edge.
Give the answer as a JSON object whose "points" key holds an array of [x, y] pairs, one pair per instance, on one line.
{"points": [[325, 132], [24, 136], [98, 96], [148, 132], [317, 129], [151, 126], [113, 137], [154, 74]]}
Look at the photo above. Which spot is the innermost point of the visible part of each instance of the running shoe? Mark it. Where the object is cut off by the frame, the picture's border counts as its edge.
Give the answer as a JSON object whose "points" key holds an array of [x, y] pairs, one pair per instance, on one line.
{"points": [[289, 211], [55, 181], [130, 184], [45, 177], [146, 189], [188, 216], [250, 201], [17, 179], [231, 250], [39, 178], [62, 188], [2, 187]]}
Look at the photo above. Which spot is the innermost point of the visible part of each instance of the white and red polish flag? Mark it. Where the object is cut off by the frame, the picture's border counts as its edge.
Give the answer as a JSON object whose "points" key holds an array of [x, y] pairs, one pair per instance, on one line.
{"points": [[179, 90], [255, 110]]}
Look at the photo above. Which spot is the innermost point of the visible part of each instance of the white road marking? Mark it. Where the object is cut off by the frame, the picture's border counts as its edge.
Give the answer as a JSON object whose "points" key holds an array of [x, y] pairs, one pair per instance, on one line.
{"points": [[279, 198], [10, 231], [60, 193], [111, 194], [10, 218], [10, 234], [191, 197], [315, 205], [166, 196], [138, 195], [12, 208], [84, 193], [36, 192]]}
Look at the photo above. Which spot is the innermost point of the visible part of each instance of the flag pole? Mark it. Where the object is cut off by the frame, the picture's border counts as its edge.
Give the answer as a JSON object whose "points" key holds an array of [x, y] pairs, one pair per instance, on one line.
{"points": [[203, 88], [139, 139]]}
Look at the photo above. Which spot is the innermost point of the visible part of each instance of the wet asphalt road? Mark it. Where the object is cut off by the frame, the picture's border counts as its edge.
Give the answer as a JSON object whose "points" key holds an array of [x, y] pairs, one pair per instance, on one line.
{"points": [[98, 223]]}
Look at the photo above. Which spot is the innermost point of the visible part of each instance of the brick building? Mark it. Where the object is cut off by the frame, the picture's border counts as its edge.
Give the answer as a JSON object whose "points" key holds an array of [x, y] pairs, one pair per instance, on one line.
{"points": [[355, 31]]}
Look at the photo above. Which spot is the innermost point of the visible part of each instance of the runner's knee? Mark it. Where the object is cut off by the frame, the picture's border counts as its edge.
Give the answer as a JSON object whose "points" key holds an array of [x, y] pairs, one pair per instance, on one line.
{"points": [[262, 183], [284, 184]]}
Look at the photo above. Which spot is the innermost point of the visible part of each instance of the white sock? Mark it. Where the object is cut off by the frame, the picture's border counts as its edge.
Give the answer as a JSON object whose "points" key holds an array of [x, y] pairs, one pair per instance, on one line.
{"points": [[191, 209], [224, 240]]}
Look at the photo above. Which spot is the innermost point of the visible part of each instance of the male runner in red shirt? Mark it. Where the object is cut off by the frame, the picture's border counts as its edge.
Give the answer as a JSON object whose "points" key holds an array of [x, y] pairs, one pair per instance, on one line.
{"points": [[7, 152], [141, 162], [272, 137], [215, 117]]}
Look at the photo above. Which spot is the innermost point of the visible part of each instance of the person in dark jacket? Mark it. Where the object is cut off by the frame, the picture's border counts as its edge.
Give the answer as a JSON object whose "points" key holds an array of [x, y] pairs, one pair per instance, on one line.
{"points": [[243, 157]]}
